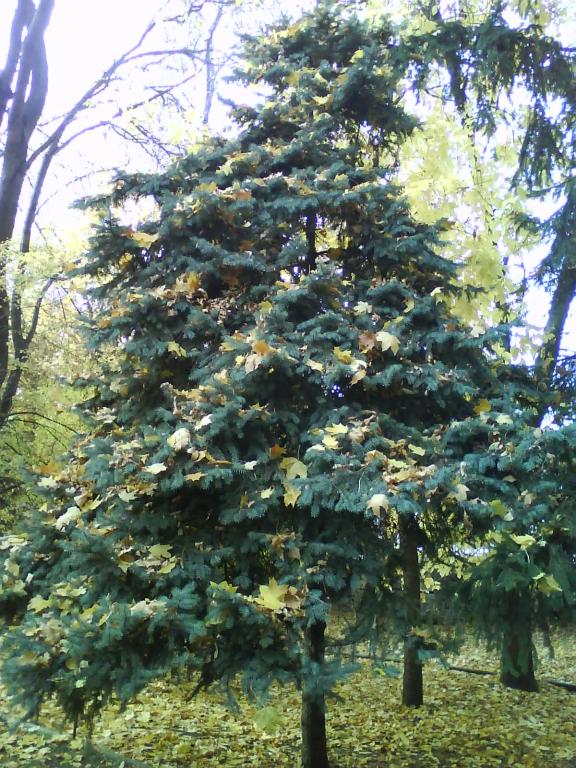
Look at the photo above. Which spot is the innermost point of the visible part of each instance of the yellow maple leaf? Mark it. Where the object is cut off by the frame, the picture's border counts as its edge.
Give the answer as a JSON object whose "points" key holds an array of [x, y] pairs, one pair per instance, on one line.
{"points": [[460, 492], [48, 482], [265, 307], [483, 406], [176, 349], [194, 477], [180, 439], [251, 362], [330, 442], [225, 586], [291, 495], [362, 308], [388, 341], [293, 467], [342, 355], [127, 496], [523, 541], [50, 468], [187, 283], [269, 720], [207, 187], [498, 508], [272, 595], [261, 347], [367, 341], [315, 366], [547, 584], [143, 239], [155, 469], [161, 551], [377, 503], [358, 376], [266, 493], [38, 603], [337, 429]]}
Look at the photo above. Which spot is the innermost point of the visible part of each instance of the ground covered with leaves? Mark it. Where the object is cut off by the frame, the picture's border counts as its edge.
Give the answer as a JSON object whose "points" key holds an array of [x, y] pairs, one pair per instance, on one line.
{"points": [[468, 721]]}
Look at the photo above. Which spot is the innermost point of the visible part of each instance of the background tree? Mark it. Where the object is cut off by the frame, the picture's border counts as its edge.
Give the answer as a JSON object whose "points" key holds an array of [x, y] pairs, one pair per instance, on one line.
{"points": [[32, 140], [475, 57]]}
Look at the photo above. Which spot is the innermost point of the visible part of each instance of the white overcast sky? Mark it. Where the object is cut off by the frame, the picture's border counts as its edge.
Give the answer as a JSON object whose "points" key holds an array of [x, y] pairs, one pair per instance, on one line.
{"points": [[85, 36]]}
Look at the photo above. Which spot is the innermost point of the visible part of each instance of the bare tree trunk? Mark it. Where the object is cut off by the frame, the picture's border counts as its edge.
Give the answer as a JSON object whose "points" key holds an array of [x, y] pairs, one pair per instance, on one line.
{"points": [[27, 58], [517, 661], [563, 250], [210, 65], [25, 111], [412, 680], [20, 21], [314, 744]]}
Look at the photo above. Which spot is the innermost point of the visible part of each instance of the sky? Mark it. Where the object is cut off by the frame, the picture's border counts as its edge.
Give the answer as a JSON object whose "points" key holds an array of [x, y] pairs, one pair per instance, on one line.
{"points": [[83, 37]]}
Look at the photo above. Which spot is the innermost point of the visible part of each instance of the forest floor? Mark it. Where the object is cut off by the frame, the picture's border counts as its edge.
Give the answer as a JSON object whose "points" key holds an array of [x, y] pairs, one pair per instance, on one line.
{"points": [[467, 721]]}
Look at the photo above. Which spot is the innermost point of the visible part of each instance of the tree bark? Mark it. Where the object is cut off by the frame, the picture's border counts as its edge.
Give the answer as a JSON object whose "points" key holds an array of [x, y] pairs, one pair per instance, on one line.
{"points": [[25, 110], [517, 661], [564, 252], [210, 66], [27, 57], [314, 744], [412, 680], [21, 20]]}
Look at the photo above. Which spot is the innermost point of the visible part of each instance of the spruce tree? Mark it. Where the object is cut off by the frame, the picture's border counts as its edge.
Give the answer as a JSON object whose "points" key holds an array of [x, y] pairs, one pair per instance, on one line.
{"points": [[488, 54], [285, 411], [521, 577]]}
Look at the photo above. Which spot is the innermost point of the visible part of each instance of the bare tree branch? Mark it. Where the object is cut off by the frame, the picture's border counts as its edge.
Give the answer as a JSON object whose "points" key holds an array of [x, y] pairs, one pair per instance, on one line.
{"points": [[15, 415], [96, 88], [209, 65]]}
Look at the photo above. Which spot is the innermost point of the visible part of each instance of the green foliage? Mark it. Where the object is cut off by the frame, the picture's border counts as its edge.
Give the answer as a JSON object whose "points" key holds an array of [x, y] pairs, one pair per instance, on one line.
{"points": [[287, 382], [523, 574], [40, 421]]}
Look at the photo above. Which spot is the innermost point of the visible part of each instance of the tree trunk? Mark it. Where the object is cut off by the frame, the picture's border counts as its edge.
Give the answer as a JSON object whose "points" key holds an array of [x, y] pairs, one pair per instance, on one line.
{"points": [[314, 745], [25, 111], [412, 680], [27, 63], [517, 661]]}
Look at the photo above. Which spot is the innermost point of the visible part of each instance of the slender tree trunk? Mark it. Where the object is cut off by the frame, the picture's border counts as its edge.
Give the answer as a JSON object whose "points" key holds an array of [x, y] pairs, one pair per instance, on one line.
{"points": [[26, 64], [521, 680], [210, 65], [412, 681], [517, 660], [25, 111], [314, 745]]}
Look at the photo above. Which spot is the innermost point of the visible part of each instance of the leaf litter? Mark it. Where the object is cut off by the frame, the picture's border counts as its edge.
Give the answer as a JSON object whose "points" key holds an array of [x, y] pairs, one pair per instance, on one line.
{"points": [[467, 721]]}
